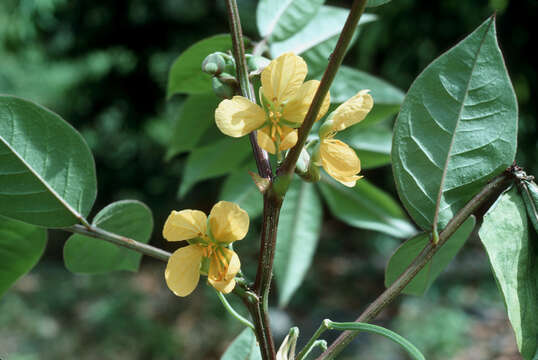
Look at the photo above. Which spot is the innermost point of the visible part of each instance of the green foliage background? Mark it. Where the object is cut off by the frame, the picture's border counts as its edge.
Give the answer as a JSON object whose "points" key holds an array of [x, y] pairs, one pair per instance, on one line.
{"points": [[103, 67]]}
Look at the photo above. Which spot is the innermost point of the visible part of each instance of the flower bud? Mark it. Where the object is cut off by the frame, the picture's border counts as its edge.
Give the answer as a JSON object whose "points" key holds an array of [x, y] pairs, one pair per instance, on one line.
{"points": [[255, 64], [214, 64], [221, 89]]}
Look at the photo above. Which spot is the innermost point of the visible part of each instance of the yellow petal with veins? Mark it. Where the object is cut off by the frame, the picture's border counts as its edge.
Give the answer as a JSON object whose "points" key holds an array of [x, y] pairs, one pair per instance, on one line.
{"points": [[289, 139], [239, 116], [222, 270], [352, 111], [264, 140], [295, 110], [184, 225], [283, 77], [183, 270], [340, 161], [228, 222]]}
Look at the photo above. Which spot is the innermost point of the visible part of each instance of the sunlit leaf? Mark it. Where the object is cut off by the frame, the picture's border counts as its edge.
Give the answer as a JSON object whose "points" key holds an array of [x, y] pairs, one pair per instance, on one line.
{"points": [[410, 249], [21, 246], [47, 172], [244, 347], [316, 41], [298, 233], [456, 129], [529, 192], [279, 19], [129, 218], [186, 74], [365, 206], [514, 259]]}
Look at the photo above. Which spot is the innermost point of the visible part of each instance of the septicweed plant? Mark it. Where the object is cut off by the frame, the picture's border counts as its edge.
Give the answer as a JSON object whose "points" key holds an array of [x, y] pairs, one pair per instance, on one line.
{"points": [[306, 117]]}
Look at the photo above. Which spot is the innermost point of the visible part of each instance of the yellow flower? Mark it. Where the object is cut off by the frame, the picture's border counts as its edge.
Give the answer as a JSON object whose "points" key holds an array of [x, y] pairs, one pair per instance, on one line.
{"points": [[285, 100], [207, 252], [335, 156]]}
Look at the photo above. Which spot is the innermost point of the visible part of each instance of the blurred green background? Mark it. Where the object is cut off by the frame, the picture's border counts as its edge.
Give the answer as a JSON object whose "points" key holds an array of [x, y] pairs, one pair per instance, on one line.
{"points": [[102, 65]]}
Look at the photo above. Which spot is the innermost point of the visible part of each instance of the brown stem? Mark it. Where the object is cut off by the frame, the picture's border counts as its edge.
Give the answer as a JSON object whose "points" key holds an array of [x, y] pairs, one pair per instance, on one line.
{"points": [[335, 61], [494, 187], [260, 155]]}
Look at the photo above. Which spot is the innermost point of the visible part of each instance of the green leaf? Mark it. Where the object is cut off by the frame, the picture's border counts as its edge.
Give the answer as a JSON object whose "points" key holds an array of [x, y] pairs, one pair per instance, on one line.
{"points": [[514, 260], [372, 144], [47, 172], [197, 115], [129, 218], [214, 160], [529, 191], [279, 19], [316, 41], [186, 74], [244, 347], [456, 130], [375, 3], [409, 250], [366, 207], [349, 81], [298, 234], [21, 247], [240, 189]]}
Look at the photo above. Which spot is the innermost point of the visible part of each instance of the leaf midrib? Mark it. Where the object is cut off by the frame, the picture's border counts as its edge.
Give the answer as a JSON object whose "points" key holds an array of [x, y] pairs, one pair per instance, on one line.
{"points": [[445, 167], [31, 170]]}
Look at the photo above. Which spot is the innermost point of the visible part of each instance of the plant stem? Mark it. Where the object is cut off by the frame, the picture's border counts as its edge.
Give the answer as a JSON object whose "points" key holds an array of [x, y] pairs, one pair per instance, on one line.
{"points": [[260, 155], [137, 246], [232, 311], [335, 61], [272, 203], [494, 187], [310, 344]]}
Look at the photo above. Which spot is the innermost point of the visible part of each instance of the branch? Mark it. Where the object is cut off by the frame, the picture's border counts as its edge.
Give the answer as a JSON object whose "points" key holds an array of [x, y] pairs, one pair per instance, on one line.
{"points": [[137, 246], [260, 155], [335, 61], [493, 187]]}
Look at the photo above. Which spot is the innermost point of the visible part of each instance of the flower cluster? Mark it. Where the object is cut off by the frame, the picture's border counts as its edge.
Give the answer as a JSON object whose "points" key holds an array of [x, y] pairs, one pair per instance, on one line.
{"points": [[207, 253], [285, 99]]}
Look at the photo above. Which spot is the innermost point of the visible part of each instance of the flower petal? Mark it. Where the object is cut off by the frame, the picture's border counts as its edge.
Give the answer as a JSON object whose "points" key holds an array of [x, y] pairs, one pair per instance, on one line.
{"points": [[283, 77], [238, 116], [352, 111], [264, 140], [183, 270], [295, 110], [184, 225], [228, 222], [222, 270], [340, 161], [289, 138]]}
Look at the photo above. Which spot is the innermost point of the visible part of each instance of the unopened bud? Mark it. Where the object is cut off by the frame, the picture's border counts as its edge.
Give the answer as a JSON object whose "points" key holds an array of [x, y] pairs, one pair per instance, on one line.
{"points": [[256, 64], [221, 89], [214, 64]]}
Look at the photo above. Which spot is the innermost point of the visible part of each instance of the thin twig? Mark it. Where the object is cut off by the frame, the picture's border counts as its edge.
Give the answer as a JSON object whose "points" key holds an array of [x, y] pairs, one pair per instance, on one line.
{"points": [[95, 232], [494, 187]]}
